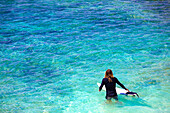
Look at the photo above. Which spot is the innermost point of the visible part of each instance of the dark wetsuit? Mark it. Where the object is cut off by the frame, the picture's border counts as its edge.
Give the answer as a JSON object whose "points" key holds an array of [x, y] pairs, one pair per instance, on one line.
{"points": [[111, 86]]}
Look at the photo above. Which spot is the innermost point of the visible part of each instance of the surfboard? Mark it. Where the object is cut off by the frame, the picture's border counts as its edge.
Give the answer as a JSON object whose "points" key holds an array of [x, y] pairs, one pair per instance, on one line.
{"points": [[120, 91]]}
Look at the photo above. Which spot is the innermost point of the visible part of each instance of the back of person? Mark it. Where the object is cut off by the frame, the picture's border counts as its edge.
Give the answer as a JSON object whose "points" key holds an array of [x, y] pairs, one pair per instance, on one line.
{"points": [[110, 83], [110, 86]]}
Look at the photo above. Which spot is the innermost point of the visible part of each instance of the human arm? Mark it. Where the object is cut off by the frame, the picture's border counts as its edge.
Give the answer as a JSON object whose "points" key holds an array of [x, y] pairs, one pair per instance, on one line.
{"points": [[102, 84], [117, 81]]}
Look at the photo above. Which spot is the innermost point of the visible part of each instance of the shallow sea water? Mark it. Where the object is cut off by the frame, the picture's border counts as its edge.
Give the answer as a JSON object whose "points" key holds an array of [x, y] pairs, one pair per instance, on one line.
{"points": [[53, 52]]}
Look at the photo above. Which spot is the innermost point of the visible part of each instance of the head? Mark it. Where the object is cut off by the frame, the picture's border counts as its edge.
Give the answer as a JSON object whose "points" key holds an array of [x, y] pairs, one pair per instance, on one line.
{"points": [[109, 75]]}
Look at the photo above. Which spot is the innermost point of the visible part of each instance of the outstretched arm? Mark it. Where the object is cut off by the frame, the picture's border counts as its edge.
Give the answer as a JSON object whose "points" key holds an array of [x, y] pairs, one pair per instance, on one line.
{"points": [[117, 81]]}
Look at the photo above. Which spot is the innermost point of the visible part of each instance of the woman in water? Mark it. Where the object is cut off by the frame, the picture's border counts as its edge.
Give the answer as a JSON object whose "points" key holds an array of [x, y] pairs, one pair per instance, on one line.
{"points": [[110, 83]]}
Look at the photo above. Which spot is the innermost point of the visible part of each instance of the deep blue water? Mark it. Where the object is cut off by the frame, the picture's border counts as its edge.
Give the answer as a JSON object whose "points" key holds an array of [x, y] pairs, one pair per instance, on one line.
{"points": [[53, 52]]}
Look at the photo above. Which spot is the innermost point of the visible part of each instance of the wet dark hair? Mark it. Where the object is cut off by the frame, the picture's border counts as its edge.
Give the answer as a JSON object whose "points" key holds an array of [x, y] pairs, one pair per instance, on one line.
{"points": [[109, 75]]}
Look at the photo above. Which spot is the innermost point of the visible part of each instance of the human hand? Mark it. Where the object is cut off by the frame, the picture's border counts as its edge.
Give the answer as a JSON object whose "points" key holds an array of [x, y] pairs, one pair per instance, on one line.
{"points": [[127, 90]]}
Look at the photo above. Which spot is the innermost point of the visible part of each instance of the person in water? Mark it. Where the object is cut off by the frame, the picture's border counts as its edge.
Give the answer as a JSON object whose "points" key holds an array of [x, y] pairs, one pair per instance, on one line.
{"points": [[110, 83]]}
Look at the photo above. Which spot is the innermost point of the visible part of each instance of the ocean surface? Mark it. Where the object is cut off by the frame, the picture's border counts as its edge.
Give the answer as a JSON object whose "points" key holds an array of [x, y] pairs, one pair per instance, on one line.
{"points": [[53, 53]]}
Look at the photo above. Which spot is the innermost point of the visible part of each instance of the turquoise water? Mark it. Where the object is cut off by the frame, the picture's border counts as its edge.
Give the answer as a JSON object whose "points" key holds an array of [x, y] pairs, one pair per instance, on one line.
{"points": [[53, 52]]}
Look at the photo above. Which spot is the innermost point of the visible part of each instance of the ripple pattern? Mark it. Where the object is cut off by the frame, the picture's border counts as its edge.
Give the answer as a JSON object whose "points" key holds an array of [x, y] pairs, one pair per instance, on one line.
{"points": [[52, 54]]}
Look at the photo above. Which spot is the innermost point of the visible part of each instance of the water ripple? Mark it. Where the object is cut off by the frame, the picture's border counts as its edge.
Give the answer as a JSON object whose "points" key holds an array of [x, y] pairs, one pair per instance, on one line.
{"points": [[52, 54]]}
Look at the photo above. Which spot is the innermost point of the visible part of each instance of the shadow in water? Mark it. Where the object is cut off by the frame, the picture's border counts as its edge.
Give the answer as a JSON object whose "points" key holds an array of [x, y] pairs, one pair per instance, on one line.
{"points": [[132, 101]]}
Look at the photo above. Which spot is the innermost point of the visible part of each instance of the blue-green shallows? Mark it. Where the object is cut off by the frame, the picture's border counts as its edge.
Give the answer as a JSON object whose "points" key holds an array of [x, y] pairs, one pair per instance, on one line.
{"points": [[53, 52]]}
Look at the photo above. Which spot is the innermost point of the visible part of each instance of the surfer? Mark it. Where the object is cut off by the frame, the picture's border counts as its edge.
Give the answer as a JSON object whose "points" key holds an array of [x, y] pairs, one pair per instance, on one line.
{"points": [[110, 83]]}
